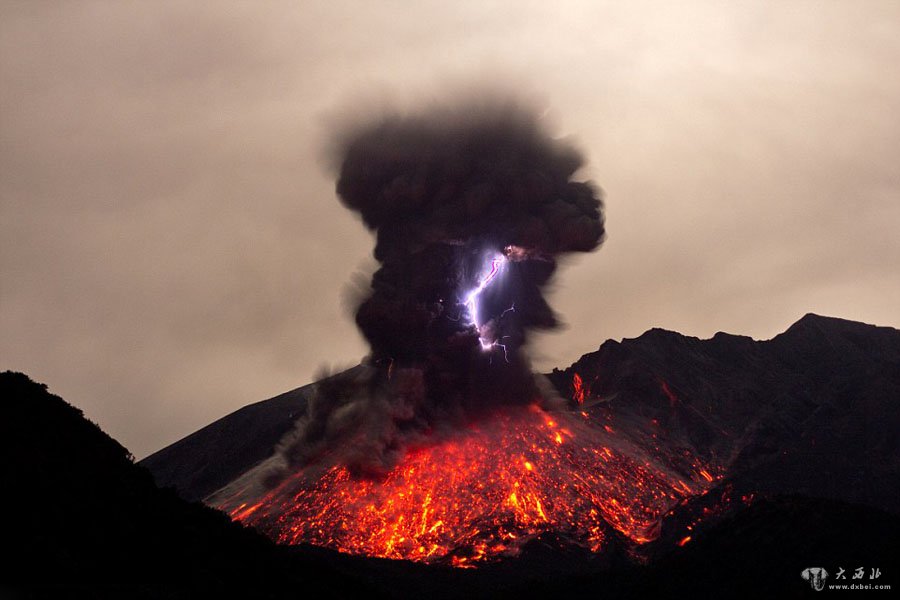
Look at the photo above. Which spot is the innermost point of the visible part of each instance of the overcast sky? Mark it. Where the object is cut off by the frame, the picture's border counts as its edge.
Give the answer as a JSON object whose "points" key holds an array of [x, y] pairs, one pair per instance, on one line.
{"points": [[172, 249]]}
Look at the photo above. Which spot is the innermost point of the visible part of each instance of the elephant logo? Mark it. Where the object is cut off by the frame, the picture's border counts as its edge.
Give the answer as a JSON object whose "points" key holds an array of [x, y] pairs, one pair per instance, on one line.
{"points": [[816, 577]]}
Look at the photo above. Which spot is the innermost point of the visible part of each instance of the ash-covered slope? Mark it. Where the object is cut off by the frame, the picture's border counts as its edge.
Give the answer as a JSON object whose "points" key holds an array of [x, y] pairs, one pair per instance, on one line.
{"points": [[226, 447], [812, 411], [202, 462]]}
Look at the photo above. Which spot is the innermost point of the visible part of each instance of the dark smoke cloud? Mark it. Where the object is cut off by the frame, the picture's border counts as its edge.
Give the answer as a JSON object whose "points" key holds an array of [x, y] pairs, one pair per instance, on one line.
{"points": [[445, 192]]}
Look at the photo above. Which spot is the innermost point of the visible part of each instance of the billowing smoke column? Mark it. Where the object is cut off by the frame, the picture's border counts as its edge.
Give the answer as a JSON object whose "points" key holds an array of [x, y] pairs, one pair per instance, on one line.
{"points": [[470, 209]]}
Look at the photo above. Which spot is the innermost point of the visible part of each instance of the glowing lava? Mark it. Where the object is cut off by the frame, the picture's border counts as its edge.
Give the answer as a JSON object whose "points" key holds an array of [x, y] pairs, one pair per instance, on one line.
{"points": [[480, 494], [580, 392]]}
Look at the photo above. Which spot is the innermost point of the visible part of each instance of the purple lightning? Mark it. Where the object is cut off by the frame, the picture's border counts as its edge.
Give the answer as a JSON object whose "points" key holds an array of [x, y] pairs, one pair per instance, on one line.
{"points": [[471, 301]]}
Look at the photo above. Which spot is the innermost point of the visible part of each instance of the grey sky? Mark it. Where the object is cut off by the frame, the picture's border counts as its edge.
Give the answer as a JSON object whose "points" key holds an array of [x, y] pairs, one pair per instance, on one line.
{"points": [[171, 247]]}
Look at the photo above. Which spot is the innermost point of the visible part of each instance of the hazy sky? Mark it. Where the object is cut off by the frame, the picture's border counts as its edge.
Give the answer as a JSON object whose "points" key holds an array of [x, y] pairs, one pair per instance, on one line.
{"points": [[172, 249]]}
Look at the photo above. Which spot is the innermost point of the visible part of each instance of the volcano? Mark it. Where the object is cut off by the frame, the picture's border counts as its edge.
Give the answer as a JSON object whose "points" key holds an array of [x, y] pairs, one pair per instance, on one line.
{"points": [[660, 440], [445, 448]]}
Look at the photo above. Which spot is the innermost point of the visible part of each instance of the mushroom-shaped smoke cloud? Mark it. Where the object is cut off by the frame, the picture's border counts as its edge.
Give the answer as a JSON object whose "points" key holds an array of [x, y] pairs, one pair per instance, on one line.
{"points": [[471, 208]]}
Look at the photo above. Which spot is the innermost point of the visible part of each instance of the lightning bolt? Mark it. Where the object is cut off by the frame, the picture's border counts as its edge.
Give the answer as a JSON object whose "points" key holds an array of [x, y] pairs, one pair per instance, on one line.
{"points": [[470, 301]]}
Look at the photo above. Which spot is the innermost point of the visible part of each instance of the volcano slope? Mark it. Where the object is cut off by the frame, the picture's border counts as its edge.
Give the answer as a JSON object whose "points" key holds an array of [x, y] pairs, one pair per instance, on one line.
{"points": [[810, 414], [813, 411]]}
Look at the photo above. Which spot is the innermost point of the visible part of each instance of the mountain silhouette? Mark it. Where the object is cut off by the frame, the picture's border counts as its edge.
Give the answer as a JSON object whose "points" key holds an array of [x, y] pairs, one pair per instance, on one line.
{"points": [[81, 518]]}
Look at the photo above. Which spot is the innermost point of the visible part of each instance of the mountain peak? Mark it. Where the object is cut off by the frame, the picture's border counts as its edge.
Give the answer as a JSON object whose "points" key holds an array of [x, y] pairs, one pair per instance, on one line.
{"points": [[816, 326], [812, 321]]}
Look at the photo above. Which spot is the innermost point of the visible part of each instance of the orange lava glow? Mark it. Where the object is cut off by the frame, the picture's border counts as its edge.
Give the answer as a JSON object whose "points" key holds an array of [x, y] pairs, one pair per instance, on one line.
{"points": [[480, 494], [579, 390]]}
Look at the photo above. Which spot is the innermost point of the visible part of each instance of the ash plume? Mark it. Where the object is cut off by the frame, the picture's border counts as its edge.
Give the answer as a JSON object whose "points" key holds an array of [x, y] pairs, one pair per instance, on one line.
{"points": [[470, 207]]}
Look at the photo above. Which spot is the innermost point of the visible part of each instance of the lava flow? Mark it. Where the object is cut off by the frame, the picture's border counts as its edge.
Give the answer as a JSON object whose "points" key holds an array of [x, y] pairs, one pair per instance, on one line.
{"points": [[482, 493]]}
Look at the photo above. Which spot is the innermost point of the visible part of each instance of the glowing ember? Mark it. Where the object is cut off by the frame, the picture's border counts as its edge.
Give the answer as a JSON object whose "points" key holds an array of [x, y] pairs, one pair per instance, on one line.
{"points": [[482, 493]]}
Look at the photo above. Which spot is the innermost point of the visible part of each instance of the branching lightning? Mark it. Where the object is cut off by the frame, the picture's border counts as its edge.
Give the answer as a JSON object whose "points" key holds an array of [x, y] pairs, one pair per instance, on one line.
{"points": [[498, 261]]}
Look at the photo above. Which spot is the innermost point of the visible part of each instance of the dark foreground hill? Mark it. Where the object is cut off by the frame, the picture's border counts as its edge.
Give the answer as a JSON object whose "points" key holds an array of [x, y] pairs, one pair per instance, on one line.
{"points": [[82, 520]]}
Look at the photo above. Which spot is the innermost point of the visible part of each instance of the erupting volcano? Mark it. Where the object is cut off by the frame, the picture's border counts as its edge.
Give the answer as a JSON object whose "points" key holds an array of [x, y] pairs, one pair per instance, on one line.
{"points": [[445, 446]]}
